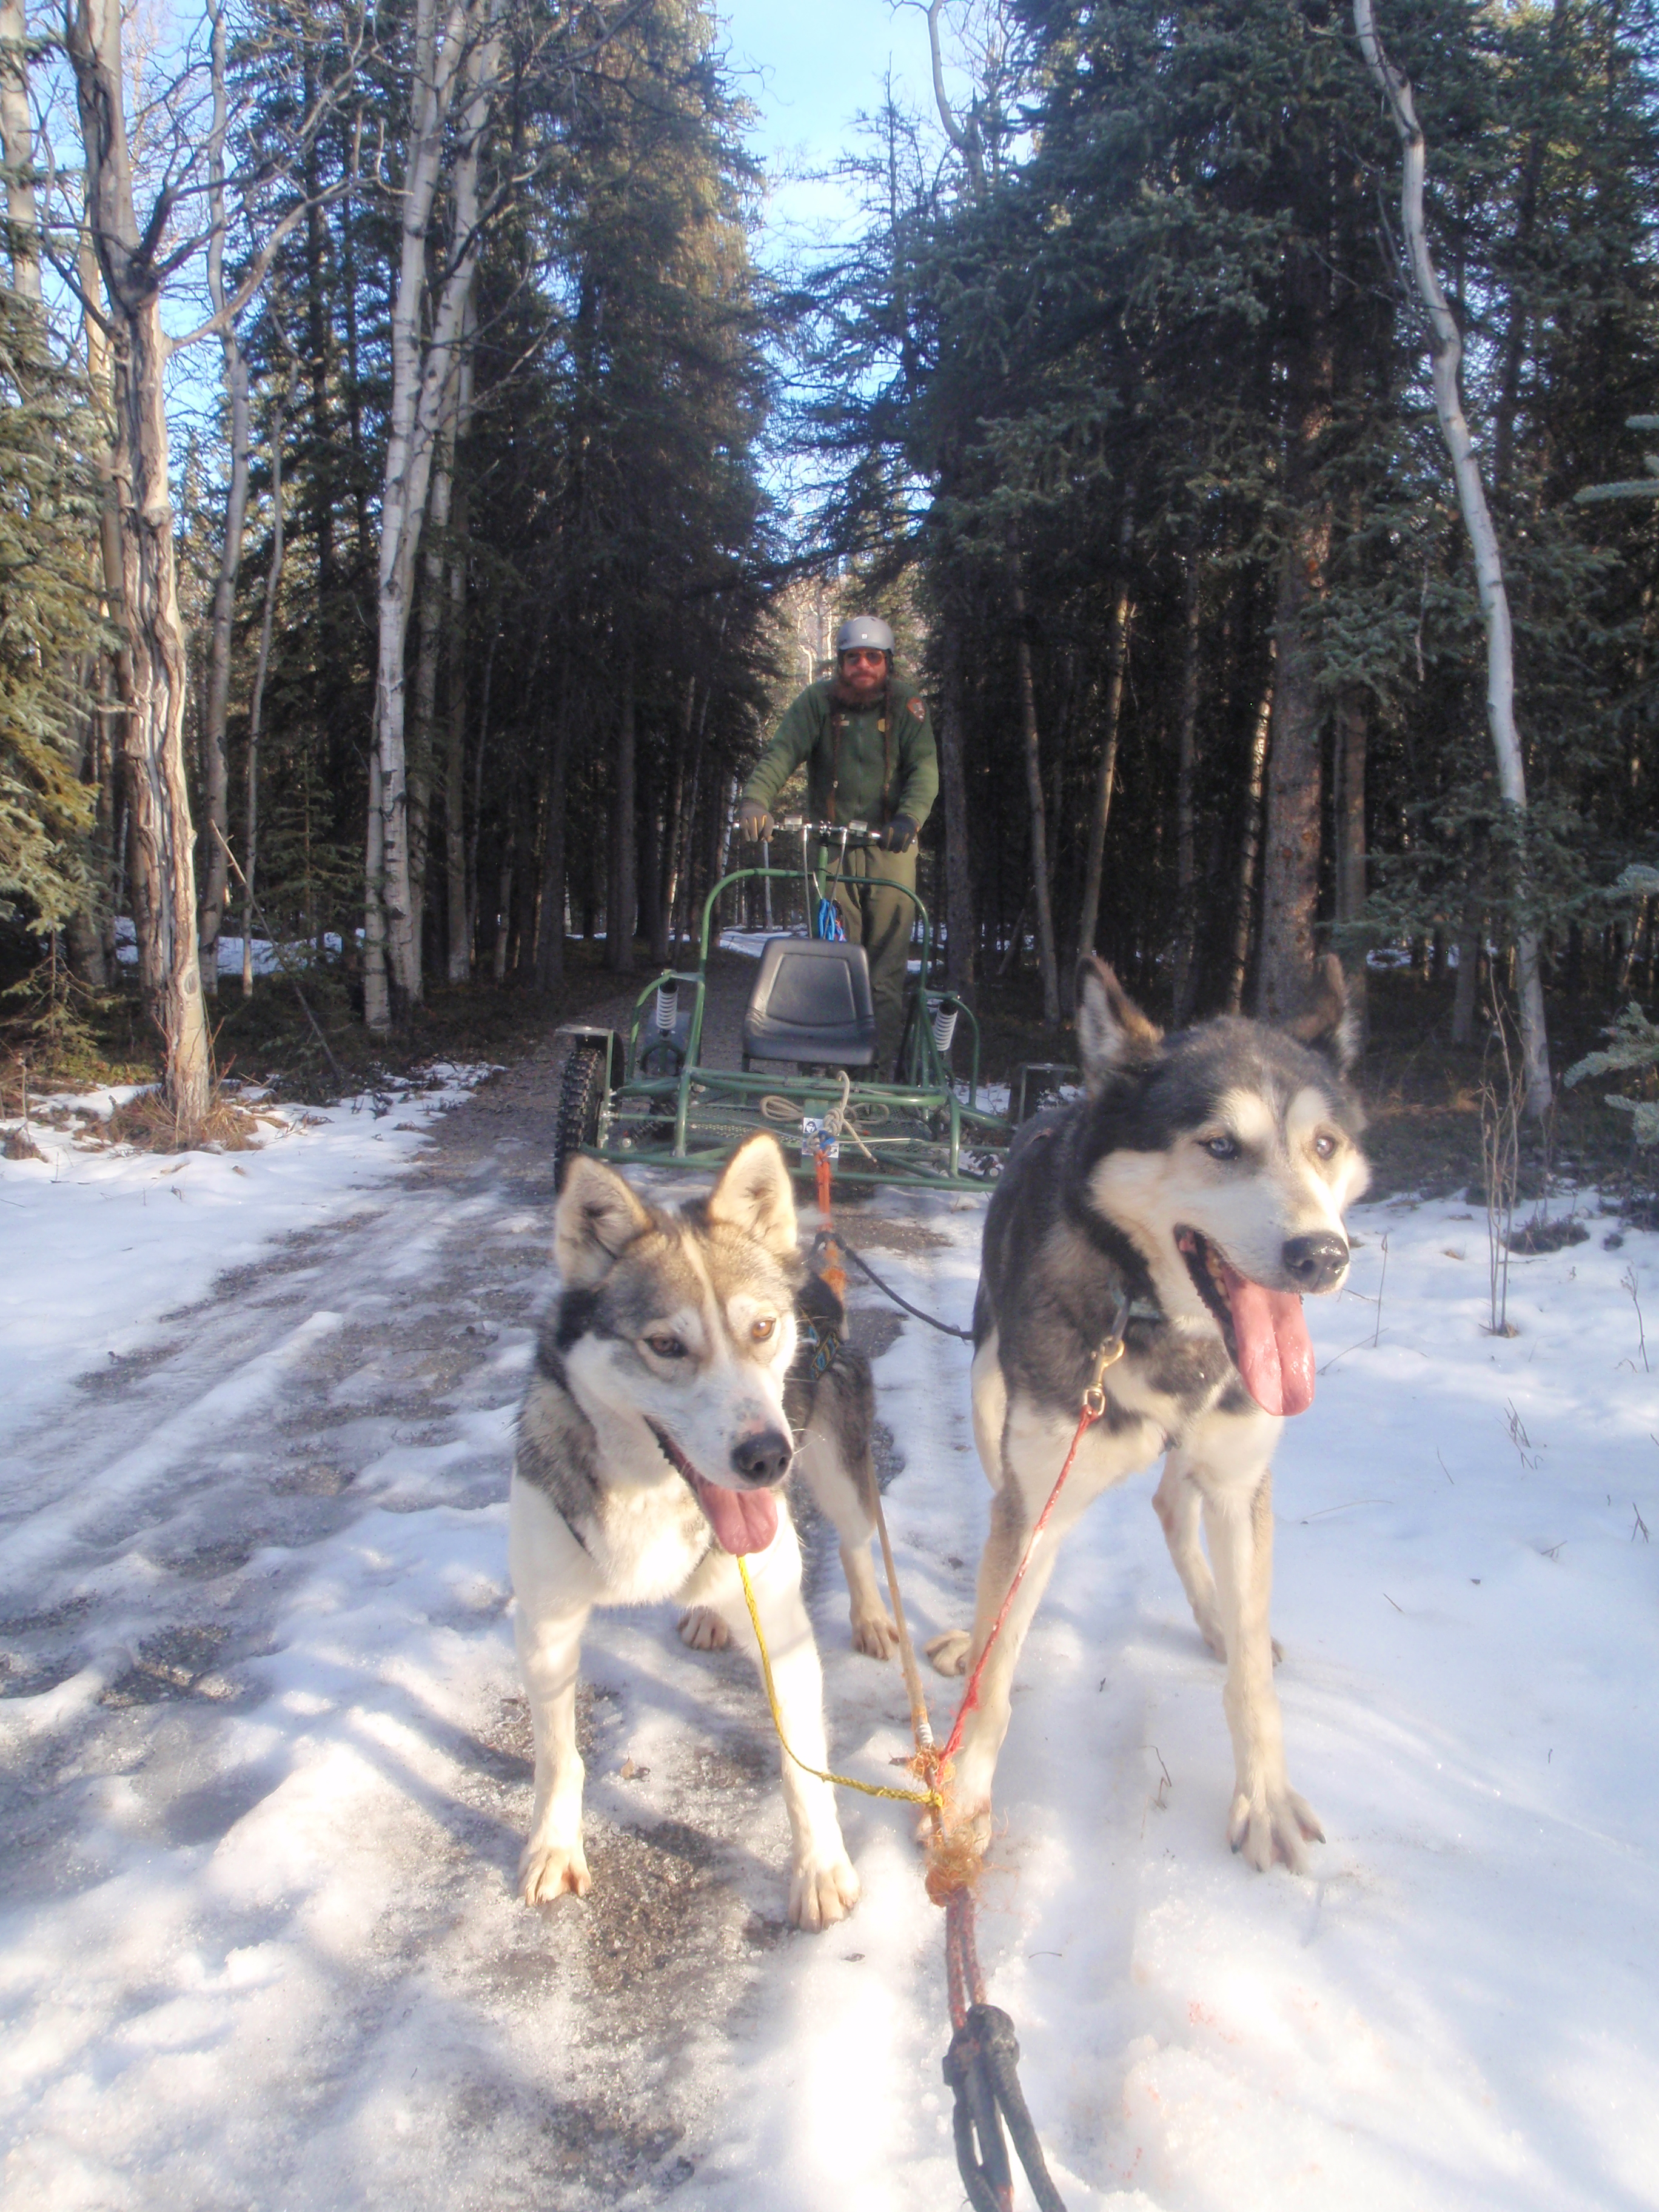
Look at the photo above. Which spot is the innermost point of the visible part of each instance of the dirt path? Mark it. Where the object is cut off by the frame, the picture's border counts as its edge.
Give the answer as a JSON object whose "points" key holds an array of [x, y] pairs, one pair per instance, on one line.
{"points": [[326, 1438]]}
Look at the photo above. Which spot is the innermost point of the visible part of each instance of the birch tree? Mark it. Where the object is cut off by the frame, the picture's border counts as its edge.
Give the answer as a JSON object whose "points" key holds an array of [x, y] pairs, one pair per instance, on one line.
{"points": [[459, 936], [135, 262], [261, 669], [457, 76], [1445, 356], [17, 135], [215, 795]]}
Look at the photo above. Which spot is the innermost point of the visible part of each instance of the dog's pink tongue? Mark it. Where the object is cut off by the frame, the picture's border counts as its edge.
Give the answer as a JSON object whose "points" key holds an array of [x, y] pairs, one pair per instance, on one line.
{"points": [[743, 1520], [1274, 1356]]}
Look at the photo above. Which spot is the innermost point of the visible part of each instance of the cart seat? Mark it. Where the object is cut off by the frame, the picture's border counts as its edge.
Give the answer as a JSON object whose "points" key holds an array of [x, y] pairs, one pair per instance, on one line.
{"points": [[812, 1002]]}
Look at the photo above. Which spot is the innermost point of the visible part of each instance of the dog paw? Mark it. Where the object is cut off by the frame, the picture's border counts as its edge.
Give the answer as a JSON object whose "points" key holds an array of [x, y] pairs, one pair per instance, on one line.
{"points": [[548, 1870], [821, 1891], [949, 1652], [874, 1635], [702, 1630], [1273, 1824]]}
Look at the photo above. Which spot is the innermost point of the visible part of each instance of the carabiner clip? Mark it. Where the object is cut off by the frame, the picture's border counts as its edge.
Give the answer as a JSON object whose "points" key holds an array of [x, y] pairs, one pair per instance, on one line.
{"points": [[1094, 1397]]}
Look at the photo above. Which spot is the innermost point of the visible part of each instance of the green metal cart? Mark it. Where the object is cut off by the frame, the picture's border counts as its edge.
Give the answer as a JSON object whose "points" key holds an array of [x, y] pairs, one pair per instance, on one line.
{"points": [[808, 1054]]}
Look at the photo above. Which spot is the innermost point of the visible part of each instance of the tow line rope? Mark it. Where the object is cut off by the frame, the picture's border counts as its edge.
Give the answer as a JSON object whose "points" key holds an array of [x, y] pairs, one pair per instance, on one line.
{"points": [[944, 1327], [981, 2068], [930, 1797]]}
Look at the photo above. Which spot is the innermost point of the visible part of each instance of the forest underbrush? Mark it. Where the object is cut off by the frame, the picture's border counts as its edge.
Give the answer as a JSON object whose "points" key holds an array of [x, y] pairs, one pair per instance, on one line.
{"points": [[307, 1045], [1423, 1093]]}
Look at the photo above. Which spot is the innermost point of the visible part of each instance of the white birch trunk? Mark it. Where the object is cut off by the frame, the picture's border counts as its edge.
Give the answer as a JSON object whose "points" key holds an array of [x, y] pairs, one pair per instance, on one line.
{"points": [[436, 533], [215, 793], [460, 958], [1446, 354], [257, 702], [17, 132], [458, 67], [114, 680]]}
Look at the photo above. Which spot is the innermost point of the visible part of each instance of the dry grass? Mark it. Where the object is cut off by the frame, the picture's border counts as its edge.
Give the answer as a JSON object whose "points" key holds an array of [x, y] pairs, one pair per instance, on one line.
{"points": [[149, 1124]]}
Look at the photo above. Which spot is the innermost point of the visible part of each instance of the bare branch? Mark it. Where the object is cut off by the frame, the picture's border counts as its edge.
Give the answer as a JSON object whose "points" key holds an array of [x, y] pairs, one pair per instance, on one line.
{"points": [[964, 138], [260, 267]]}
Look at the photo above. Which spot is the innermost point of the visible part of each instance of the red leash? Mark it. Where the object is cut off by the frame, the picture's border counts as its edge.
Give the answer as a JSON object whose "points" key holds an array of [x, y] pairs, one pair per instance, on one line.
{"points": [[1094, 1405]]}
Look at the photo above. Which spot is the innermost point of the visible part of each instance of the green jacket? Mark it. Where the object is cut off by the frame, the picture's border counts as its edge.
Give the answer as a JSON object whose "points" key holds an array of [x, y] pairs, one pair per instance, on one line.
{"points": [[866, 765]]}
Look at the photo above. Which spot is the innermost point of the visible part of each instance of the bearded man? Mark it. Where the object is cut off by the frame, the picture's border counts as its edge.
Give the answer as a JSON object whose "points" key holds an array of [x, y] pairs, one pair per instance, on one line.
{"points": [[869, 747]]}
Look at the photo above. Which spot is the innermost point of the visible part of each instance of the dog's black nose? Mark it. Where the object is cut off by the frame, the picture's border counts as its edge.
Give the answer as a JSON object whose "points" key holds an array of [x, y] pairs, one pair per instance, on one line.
{"points": [[763, 1457], [1317, 1263]]}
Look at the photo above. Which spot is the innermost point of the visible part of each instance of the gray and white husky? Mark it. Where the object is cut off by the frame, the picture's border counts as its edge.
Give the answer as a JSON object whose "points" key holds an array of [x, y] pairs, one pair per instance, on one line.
{"points": [[1190, 1199], [671, 1378]]}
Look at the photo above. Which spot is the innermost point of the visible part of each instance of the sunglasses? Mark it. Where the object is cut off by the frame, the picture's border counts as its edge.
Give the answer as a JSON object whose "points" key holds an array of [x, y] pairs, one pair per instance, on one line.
{"points": [[863, 653]]}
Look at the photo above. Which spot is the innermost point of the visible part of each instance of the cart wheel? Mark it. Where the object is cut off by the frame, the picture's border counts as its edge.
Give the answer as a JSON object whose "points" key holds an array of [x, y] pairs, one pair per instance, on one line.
{"points": [[581, 1096]]}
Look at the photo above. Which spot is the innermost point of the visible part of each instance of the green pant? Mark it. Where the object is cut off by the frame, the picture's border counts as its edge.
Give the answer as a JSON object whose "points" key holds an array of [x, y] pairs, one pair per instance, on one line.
{"points": [[881, 919]]}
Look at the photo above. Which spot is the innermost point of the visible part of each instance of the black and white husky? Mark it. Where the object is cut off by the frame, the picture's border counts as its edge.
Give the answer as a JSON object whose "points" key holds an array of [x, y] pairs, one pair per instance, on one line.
{"points": [[1190, 1199], [653, 1443]]}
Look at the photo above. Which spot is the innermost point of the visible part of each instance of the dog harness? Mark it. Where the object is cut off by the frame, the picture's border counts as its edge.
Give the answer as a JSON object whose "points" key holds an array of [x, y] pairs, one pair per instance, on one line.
{"points": [[824, 1343]]}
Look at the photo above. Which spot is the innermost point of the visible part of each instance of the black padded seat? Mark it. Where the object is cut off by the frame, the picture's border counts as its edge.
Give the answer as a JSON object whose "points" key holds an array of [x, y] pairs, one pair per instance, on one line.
{"points": [[812, 1002]]}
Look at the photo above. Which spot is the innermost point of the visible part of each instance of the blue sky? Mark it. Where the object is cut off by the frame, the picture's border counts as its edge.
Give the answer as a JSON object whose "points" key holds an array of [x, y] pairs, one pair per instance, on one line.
{"points": [[810, 66]]}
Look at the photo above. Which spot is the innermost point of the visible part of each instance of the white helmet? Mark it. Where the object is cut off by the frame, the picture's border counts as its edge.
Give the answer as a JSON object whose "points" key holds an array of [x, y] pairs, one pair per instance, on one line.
{"points": [[867, 631]]}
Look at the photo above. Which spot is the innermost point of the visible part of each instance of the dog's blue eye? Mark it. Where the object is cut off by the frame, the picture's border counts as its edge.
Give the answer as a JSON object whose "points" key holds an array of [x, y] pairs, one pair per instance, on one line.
{"points": [[1222, 1148], [666, 1347]]}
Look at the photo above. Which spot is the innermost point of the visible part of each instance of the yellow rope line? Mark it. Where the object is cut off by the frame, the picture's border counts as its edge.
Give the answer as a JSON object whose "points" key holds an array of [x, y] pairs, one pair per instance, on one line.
{"points": [[929, 1797]]}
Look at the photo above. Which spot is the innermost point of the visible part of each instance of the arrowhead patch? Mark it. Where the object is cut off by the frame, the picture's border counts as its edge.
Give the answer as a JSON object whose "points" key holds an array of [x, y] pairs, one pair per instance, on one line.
{"points": [[917, 708]]}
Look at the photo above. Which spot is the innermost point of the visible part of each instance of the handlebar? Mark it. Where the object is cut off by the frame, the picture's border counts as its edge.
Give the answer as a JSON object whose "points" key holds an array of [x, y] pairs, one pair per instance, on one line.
{"points": [[856, 835]]}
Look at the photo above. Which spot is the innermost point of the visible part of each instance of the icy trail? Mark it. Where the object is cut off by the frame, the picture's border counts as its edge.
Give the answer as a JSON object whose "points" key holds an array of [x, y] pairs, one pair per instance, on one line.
{"points": [[264, 1761]]}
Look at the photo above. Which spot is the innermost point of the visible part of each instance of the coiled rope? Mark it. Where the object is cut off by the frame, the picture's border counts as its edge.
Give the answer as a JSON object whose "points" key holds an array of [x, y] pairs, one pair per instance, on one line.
{"points": [[840, 1121]]}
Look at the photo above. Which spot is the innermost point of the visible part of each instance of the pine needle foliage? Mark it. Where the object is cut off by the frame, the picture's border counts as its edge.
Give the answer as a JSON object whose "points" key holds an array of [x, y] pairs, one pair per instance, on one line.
{"points": [[1633, 1042], [49, 622], [1632, 1039]]}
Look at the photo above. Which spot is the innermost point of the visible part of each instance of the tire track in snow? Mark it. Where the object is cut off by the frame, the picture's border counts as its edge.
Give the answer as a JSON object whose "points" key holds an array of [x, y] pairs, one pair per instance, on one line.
{"points": [[48, 1535]]}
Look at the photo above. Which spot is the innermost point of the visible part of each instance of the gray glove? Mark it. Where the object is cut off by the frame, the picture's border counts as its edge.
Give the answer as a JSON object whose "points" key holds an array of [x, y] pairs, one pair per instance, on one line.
{"points": [[754, 823]]}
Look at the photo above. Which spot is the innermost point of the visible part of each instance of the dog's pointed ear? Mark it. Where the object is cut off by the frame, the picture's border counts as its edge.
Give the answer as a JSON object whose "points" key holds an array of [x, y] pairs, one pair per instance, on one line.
{"points": [[597, 1219], [1329, 1022], [753, 1195], [1112, 1032]]}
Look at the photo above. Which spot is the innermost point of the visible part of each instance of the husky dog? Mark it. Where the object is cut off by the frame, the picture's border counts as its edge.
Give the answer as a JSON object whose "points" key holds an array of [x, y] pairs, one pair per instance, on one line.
{"points": [[653, 1443], [1186, 1204]]}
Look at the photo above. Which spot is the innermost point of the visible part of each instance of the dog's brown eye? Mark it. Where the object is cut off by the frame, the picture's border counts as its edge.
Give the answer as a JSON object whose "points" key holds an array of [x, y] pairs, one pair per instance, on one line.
{"points": [[666, 1347], [1324, 1143], [764, 1329]]}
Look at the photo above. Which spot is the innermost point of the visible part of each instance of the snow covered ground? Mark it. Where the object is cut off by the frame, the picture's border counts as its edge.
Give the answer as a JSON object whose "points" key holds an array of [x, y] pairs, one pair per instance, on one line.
{"points": [[264, 1764], [264, 960], [94, 1253]]}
